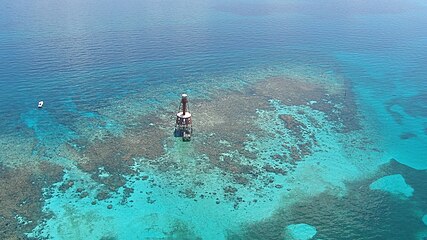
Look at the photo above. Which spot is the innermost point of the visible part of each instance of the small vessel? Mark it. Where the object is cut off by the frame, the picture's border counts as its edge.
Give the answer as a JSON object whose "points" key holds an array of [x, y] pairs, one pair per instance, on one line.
{"points": [[40, 104]]}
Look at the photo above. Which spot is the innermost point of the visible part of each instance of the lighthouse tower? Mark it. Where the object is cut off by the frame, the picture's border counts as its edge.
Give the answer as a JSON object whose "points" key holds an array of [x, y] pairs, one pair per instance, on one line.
{"points": [[183, 126]]}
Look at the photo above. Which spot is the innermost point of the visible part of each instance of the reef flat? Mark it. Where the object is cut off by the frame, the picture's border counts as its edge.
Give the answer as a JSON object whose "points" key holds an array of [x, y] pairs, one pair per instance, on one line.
{"points": [[266, 138], [265, 141]]}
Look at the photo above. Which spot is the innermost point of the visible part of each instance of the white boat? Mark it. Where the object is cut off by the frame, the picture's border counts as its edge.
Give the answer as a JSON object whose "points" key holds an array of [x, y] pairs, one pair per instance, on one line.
{"points": [[40, 104]]}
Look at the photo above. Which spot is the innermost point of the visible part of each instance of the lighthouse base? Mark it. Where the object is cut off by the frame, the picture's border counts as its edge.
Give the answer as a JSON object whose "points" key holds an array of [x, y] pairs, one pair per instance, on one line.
{"points": [[185, 133], [186, 136]]}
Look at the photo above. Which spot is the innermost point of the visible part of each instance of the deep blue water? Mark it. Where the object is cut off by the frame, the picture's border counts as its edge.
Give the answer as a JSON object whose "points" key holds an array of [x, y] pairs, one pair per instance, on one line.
{"points": [[86, 54], [94, 50]]}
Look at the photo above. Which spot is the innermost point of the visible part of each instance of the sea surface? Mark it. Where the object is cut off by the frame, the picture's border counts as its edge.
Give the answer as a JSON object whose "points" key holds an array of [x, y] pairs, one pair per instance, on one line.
{"points": [[309, 117]]}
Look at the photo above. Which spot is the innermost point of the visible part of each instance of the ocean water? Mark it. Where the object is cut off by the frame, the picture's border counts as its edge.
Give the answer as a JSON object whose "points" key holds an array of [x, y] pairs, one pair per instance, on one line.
{"points": [[310, 119]]}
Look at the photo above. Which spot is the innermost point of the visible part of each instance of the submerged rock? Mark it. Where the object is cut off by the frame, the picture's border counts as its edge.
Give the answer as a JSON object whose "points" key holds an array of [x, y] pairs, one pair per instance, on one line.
{"points": [[230, 190], [292, 124], [407, 135], [300, 231], [394, 184], [188, 193], [84, 194], [272, 169], [65, 186], [102, 195]]}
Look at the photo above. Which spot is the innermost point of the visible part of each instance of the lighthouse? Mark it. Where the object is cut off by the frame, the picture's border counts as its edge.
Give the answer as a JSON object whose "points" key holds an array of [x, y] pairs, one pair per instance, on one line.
{"points": [[183, 126]]}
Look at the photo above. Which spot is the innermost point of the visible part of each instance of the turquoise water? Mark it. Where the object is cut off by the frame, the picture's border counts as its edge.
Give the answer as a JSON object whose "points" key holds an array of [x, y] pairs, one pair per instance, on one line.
{"points": [[310, 119]]}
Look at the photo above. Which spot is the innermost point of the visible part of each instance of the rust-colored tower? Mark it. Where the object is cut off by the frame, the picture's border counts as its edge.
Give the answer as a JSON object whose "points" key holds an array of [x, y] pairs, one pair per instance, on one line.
{"points": [[183, 126]]}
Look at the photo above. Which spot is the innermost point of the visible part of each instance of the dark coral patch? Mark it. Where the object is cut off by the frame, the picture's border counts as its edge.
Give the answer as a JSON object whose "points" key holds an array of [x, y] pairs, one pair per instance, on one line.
{"points": [[21, 197], [114, 155], [292, 124], [339, 106], [188, 193], [414, 106], [226, 122], [276, 170], [407, 135], [102, 195], [180, 230]]}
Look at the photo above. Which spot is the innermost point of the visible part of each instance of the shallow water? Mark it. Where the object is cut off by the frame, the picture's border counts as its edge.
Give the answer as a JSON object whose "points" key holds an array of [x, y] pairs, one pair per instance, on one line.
{"points": [[310, 118]]}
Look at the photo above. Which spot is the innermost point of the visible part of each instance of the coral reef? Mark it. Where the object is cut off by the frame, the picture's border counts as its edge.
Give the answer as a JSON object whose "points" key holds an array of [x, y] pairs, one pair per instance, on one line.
{"points": [[109, 159], [22, 198], [370, 213]]}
